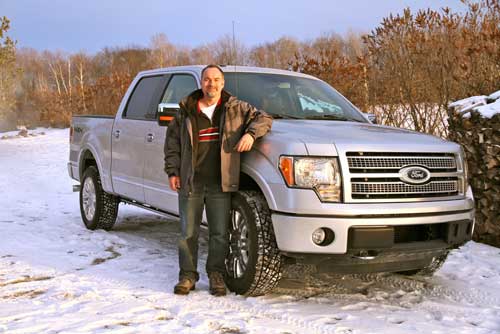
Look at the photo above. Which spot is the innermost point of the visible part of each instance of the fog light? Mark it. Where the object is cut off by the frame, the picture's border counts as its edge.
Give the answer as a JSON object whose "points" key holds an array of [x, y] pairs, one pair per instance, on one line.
{"points": [[319, 236]]}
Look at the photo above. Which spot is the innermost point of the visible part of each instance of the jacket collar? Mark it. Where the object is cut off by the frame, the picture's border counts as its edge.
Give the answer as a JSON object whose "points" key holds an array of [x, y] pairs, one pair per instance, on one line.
{"points": [[198, 109], [190, 103]]}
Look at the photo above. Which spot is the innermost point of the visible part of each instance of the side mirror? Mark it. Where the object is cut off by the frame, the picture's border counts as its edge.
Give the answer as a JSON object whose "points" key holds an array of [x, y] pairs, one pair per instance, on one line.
{"points": [[166, 112], [372, 118]]}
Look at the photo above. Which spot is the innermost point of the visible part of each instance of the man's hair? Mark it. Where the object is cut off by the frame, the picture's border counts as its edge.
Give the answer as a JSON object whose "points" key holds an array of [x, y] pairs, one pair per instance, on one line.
{"points": [[212, 66]]}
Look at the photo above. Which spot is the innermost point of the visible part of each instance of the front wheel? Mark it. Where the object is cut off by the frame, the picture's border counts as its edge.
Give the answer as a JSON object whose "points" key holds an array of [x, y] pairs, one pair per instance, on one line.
{"points": [[98, 208], [254, 261]]}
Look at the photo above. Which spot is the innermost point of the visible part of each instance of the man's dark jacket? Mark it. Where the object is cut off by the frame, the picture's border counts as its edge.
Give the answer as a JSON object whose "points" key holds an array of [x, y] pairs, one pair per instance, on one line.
{"points": [[238, 117]]}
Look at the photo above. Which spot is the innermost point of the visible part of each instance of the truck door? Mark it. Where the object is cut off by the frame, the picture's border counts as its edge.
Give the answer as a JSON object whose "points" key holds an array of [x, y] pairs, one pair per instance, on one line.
{"points": [[130, 137], [156, 186]]}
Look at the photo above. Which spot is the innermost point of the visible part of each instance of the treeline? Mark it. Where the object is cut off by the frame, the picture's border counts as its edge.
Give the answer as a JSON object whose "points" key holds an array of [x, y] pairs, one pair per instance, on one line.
{"points": [[413, 65], [406, 70]]}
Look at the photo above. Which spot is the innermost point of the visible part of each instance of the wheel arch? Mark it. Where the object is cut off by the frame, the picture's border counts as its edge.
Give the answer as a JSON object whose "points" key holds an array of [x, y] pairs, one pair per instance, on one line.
{"points": [[86, 160], [250, 179], [89, 157]]}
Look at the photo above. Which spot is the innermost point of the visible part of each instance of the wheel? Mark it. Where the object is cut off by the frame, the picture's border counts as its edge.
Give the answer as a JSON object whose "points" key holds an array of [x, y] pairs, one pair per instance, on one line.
{"points": [[436, 263], [98, 208], [254, 261]]}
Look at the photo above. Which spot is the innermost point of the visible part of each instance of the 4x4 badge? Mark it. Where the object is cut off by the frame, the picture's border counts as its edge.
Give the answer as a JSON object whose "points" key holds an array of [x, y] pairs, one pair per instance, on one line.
{"points": [[414, 175]]}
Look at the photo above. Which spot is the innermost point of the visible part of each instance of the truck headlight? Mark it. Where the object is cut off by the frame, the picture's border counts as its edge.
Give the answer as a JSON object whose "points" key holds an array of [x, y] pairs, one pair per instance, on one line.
{"points": [[320, 174]]}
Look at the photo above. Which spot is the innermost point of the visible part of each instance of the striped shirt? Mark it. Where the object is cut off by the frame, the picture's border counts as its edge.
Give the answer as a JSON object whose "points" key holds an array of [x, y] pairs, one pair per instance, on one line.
{"points": [[209, 134], [207, 167]]}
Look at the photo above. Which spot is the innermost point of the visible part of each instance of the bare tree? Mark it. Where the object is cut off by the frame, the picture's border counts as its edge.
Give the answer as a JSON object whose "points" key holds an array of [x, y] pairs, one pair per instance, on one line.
{"points": [[226, 51], [278, 54], [406, 70], [203, 54], [327, 58], [421, 62], [8, 75], [163, 53]]}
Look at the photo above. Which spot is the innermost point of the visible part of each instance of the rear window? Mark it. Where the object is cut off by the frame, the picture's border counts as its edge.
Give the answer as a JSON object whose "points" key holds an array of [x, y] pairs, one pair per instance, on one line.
{"points": [[144, 100]]}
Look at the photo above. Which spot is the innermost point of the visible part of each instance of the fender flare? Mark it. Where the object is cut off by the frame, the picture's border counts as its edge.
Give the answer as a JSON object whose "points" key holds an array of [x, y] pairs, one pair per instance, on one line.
{"points": [[93, 152], [262, 183]]}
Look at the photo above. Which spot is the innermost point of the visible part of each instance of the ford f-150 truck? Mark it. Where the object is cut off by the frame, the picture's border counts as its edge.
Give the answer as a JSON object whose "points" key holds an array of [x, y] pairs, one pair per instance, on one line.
{"points": [[325, 187]]}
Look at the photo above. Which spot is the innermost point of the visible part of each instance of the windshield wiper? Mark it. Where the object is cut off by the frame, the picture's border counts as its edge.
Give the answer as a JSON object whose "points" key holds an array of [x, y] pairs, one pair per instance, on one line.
{"points": [[331, 117], [283, 116]]}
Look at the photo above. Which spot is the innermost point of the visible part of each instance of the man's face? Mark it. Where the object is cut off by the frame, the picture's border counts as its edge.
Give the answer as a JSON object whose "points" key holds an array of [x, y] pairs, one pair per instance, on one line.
{"points": [[212, 83]]}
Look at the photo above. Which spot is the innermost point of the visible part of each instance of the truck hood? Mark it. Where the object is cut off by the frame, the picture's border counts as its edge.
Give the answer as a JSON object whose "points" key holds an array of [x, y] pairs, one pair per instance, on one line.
{"points": [[321, 137]]}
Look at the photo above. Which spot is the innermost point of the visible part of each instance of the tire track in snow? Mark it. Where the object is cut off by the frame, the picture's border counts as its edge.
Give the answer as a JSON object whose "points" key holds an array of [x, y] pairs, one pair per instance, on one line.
{"points": [[231, 303], [431, 287], [349, 289], [244, 306], [423, 293]]}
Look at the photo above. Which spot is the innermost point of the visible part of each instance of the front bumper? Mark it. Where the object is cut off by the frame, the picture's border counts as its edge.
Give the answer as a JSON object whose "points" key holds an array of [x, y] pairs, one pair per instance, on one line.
{"points": [[294, 232]]}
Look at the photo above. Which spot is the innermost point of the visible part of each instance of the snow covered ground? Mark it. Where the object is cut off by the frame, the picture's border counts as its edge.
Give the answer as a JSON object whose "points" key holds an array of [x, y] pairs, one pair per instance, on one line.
{"points": [[58, 277]]}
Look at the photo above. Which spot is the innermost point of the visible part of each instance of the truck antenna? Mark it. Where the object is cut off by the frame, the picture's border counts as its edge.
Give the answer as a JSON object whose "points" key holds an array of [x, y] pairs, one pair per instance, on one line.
{"points": [[234, 62]]}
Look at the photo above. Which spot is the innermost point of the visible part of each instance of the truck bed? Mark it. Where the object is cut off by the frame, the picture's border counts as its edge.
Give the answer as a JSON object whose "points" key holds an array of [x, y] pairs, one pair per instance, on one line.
{"points": [[94, 133]]}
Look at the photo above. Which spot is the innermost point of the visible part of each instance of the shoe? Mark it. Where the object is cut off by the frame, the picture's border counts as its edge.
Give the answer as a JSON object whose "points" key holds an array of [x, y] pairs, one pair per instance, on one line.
{"points": [[217, 286], [184, 286]]}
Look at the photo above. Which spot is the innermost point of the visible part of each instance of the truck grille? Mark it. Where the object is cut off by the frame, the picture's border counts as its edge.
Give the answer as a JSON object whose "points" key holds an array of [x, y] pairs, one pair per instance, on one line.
{"points": [[376, 175], [375, 162], [399, 189]]}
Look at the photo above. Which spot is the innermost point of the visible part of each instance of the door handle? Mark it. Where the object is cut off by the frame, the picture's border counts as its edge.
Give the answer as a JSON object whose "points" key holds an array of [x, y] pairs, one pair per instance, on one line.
{"points": [[150, 137], [117, 134]]}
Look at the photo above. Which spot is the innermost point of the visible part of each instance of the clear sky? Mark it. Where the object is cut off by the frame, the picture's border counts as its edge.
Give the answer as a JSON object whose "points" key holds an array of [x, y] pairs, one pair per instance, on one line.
{"points": [[90, 25]]}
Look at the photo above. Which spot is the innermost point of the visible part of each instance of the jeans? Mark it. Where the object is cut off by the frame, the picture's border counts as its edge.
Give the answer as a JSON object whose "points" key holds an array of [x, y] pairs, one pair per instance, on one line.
{"points": [[218, 206]]}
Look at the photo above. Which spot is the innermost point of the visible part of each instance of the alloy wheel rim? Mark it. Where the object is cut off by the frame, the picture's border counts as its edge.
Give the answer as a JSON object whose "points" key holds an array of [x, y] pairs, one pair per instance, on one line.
{"points": [[239, 245], [89, 199]]}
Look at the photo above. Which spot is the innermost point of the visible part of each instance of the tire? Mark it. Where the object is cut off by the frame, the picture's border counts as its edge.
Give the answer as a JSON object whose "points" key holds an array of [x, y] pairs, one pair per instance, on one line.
{"points": [[98, 208], [435, 264], [254, 262]]}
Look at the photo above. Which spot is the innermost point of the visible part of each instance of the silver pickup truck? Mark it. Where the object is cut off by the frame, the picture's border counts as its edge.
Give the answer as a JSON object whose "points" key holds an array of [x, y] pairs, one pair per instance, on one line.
{"points": [[325, 187]]}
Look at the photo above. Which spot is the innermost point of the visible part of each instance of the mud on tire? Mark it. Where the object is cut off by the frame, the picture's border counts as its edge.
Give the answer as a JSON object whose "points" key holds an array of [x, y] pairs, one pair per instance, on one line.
{"points": [[255, 235], [98, 208]]}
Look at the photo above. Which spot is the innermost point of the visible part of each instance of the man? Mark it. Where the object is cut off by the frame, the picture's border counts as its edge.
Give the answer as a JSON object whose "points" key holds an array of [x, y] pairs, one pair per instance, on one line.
{"points": [[202, 160]]}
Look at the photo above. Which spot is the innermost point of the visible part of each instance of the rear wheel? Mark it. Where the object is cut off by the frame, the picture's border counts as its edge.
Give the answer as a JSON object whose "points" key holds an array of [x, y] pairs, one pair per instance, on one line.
{"points": [[98, 208], [254, 261]]}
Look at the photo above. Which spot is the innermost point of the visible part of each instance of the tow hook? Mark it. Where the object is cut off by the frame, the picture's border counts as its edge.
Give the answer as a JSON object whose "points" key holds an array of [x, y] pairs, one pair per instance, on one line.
{"points": [[366, 255]]}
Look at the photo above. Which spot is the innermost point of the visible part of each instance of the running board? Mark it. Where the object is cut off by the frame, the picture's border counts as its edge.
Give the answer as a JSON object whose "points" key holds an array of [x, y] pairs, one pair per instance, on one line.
{"points": [[156, 210], [149, 208]]}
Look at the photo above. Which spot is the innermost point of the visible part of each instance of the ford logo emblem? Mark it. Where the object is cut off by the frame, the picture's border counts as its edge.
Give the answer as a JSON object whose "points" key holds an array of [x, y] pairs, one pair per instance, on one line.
{"points": [[414, 175]]}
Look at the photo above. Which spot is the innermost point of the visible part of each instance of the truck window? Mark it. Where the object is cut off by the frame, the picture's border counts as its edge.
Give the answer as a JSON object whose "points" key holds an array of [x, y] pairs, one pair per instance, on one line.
{"points": [[143, 102], [180, 86]]}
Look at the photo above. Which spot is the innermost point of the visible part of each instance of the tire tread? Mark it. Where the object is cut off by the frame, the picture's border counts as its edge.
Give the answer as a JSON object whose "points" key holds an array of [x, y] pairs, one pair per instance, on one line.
{"points": [[106, 206], [269, 259]]}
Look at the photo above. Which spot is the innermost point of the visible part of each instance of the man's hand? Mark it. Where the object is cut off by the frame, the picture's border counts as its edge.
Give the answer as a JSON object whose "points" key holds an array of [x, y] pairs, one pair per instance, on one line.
{"points": [[175, 183], [245, 143]]}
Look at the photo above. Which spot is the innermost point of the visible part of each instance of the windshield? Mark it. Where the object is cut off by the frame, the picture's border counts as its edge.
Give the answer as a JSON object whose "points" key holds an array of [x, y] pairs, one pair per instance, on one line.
{"points": [[285, 96]]}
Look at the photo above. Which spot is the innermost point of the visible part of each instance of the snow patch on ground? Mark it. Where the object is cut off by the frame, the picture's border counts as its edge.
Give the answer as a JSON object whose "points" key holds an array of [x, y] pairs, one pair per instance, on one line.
{"points": [[58, 277]]}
